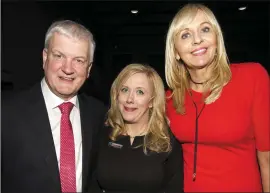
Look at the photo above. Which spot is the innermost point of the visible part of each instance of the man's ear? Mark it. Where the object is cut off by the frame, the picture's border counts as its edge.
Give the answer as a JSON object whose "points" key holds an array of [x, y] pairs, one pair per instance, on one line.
{"points": [[89, 69], [44, 56]]}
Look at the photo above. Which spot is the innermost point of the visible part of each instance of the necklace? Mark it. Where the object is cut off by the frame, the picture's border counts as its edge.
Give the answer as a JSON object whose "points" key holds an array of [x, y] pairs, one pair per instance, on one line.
{"points": [[133, 136], [197, 82], [198, 114]]}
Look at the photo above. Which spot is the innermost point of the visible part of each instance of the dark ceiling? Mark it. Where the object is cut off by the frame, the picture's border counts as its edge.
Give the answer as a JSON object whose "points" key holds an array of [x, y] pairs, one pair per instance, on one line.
{"points": [[114, 25], [123, 37]]}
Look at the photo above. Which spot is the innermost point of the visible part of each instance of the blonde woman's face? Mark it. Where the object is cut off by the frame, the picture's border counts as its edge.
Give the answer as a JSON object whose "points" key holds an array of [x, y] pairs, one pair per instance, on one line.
{"points": [[134, 99], [196, 44]]}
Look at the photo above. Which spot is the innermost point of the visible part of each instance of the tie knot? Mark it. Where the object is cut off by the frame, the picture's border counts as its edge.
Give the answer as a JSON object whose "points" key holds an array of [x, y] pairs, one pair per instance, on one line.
{"points": [[66, 107]]}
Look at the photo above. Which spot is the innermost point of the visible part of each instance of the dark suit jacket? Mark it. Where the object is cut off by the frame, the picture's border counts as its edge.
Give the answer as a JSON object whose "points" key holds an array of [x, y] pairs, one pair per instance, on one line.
{"points": [[29, 162]]}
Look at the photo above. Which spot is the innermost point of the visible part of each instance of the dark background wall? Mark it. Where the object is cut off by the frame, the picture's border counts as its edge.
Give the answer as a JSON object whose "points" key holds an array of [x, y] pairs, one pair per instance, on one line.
{"points": [[122, 37]]}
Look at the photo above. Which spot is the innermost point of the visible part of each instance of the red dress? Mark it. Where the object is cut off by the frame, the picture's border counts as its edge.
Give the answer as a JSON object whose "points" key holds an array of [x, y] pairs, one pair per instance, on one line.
{"points": [[229, 132]]}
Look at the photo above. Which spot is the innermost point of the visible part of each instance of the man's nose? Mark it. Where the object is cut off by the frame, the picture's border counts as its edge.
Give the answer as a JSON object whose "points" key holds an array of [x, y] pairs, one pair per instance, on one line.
{"points": [[67, 66]]}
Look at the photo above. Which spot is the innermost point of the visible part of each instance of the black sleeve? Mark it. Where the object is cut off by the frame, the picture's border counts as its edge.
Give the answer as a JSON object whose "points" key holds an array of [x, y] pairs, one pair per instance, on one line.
{"points": [[93, 185], [174, 169]]}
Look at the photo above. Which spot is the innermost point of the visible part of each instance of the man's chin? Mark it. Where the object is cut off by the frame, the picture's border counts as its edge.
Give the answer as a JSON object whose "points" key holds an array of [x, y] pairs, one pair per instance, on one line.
{"points": [[66, 95]]}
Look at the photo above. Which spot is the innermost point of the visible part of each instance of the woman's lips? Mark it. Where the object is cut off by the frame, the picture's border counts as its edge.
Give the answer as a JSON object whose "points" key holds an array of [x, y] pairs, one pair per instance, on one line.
{"points": [[199, 51], [128, 109]]}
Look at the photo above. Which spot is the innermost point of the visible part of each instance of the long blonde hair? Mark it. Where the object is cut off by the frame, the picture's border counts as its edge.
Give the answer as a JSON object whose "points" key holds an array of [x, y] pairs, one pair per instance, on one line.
{"points": [[157, 138], [176, 74]]}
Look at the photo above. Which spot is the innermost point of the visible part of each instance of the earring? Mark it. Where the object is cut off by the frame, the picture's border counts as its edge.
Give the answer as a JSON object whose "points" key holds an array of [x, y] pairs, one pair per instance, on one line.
{"points": [[179, 60]]}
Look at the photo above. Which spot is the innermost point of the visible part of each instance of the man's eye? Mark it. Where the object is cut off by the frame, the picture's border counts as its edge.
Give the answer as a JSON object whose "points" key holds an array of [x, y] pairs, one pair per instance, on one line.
{"points": [[140, 92], [57, 55], [79, 61]]}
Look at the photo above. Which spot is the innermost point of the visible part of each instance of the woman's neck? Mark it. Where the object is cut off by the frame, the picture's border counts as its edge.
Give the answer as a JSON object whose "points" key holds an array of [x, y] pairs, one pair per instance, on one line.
{"points": [[136, 129], [198, 77], [197, 88]]}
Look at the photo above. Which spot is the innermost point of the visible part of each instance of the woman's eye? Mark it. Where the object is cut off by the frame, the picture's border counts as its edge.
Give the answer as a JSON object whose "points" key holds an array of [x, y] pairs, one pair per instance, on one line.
{"points": [[206, 29], [185, 35], [140, 92], [124, 90]]}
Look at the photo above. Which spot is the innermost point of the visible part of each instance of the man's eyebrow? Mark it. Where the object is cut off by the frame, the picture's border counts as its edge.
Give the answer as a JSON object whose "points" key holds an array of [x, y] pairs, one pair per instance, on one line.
{"points": [[83, 57], [55, 50]]}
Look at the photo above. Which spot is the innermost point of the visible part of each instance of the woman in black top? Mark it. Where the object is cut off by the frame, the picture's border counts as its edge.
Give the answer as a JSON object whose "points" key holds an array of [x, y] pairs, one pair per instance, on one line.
{"points": [[138, 154]]}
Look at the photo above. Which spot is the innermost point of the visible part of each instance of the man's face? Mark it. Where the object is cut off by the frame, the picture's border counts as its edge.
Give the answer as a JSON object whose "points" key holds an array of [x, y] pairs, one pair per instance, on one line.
{"points": [[66, 65]]}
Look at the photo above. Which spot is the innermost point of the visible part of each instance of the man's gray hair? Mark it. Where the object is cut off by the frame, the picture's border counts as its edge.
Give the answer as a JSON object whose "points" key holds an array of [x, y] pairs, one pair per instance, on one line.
{"points": [[71, 29]]}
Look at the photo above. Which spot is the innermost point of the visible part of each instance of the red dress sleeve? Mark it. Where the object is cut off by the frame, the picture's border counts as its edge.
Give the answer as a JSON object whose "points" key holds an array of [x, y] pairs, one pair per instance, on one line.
{"points": [[261, 107], [168, 93]]}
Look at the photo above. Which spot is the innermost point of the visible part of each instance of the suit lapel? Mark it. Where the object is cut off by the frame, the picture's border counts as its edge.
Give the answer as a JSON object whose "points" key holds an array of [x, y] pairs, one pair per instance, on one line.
{"points": [[41, 129], [86, 114]]}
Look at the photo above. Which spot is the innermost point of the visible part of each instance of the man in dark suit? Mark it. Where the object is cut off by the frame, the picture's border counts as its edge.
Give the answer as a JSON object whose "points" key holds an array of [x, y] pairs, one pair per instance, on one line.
{"points": [[49, 132]]}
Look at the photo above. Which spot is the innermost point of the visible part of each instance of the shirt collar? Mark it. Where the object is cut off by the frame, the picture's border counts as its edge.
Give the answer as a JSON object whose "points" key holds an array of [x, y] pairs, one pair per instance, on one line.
{"points": [[52, 101]]}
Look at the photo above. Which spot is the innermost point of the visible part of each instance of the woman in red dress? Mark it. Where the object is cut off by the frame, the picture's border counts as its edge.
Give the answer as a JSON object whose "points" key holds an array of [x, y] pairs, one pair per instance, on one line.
{"points": [[219, 112]]}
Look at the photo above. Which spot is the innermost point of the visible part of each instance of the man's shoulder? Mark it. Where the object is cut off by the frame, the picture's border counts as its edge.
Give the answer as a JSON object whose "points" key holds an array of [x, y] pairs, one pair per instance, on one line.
{"points": [[18, 102], [14, 97], [20, 96], [90, 100]]}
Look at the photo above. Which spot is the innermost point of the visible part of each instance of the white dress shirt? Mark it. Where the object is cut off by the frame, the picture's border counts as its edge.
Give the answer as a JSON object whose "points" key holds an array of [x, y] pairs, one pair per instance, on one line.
{"points": [[52, 102]]}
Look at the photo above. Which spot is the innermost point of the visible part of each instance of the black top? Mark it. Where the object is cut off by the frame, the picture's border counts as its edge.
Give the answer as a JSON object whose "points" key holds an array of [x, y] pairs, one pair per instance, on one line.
{"points": [[122, 167]]}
